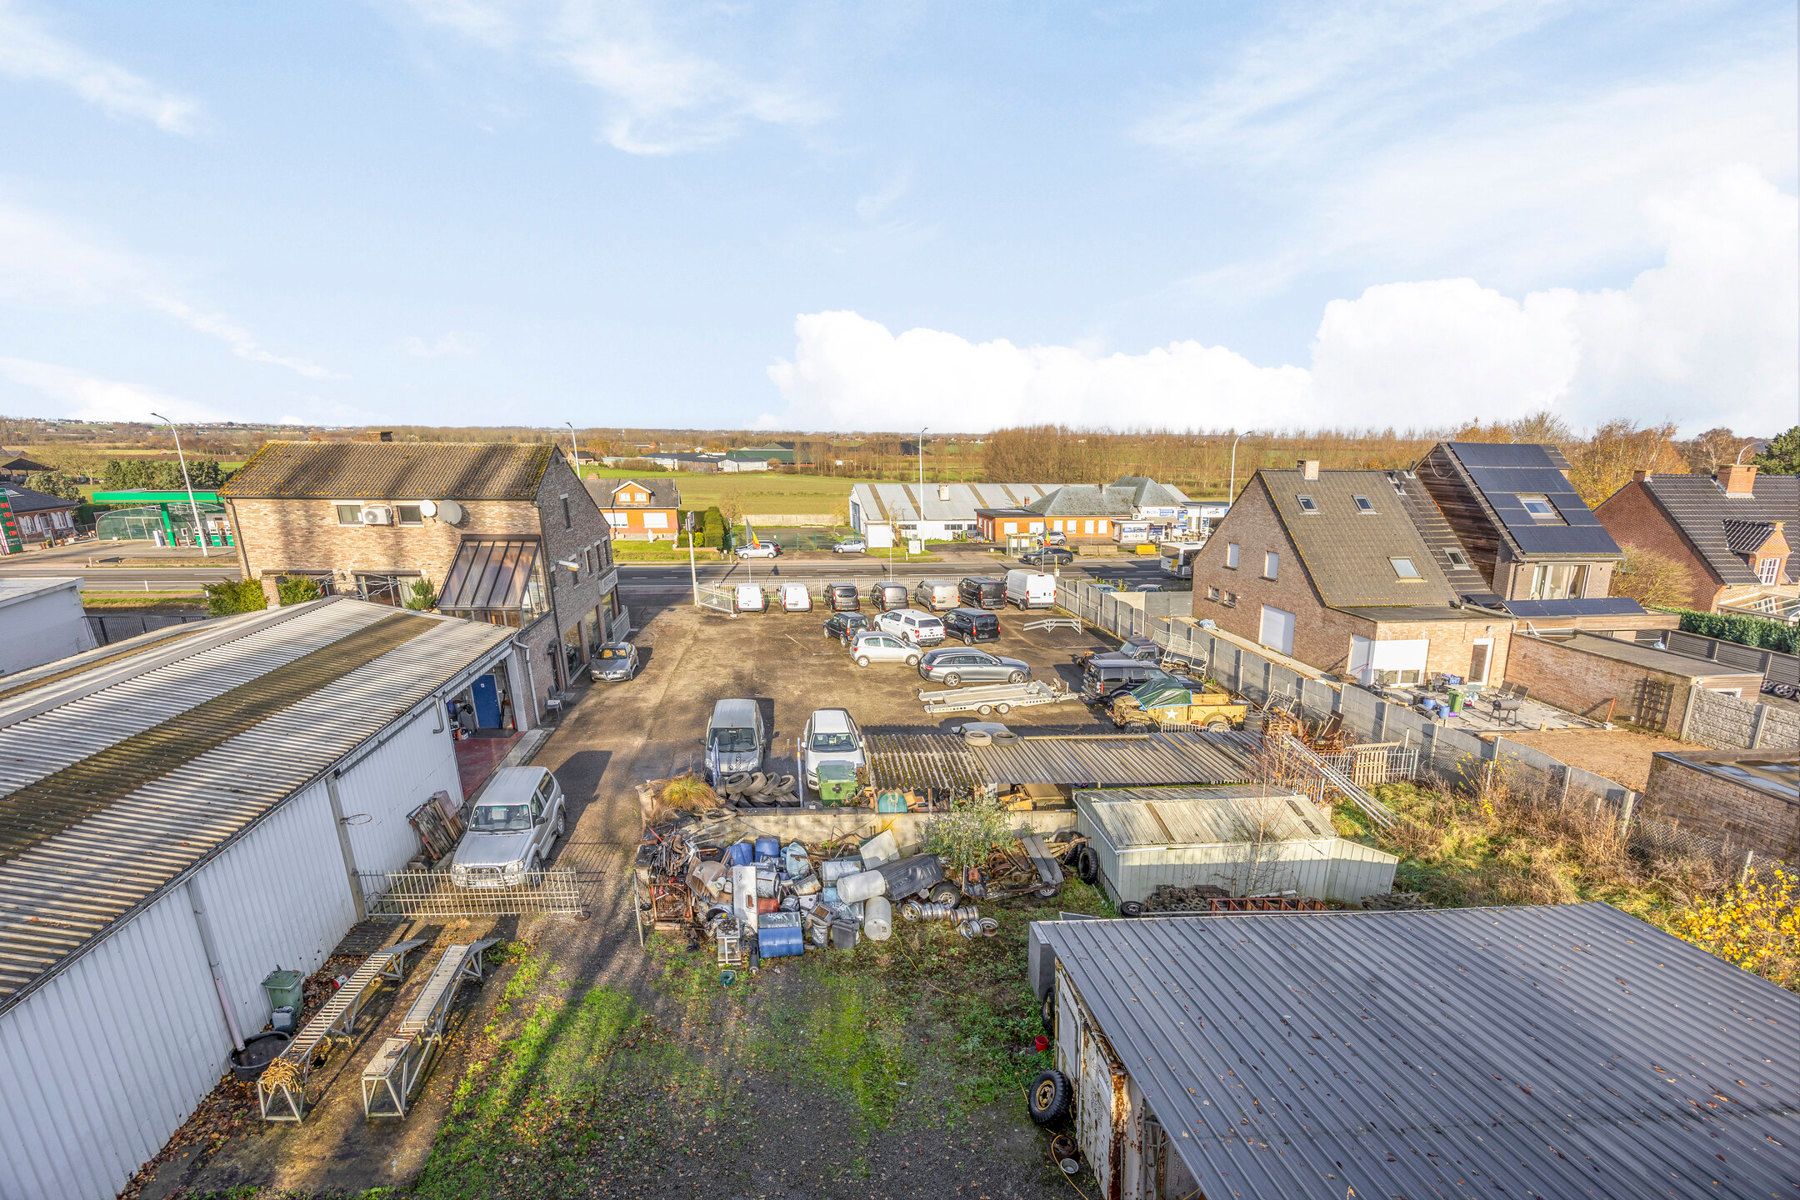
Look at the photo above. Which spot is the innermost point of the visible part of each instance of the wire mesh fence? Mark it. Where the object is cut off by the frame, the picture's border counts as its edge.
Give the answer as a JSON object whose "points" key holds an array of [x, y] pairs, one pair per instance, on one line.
{"points": [[432, 894]]}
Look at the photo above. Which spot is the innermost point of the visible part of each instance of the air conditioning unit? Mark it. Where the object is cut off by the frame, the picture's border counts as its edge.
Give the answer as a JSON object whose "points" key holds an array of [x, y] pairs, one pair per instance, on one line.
{"points": [[377, 514]]}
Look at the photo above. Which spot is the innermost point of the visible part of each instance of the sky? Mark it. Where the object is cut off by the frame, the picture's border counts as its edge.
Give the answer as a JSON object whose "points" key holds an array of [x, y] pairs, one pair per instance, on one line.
{"points": [[900, 214]]}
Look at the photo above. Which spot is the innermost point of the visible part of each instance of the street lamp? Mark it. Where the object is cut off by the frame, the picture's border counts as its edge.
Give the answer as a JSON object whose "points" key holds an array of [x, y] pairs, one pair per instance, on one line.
{"points": [[199, 526], [1231, 488], [574, 450], [922, 433]]}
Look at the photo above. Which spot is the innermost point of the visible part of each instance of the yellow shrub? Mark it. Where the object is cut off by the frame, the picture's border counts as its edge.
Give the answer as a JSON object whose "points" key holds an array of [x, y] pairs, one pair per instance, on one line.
{"points": [[1755, 923]]}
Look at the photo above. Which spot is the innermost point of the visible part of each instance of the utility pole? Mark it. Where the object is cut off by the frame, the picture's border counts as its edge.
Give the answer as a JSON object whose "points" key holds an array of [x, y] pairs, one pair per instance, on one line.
{"points": [[693, 572], [199, 525], [574, 449], [1231, 489]]}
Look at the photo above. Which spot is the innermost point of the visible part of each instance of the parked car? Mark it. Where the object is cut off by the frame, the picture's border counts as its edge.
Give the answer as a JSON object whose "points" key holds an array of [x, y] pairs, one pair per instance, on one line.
{"points": [[980, 592], [919, 628], [953, 666], [1047, 556], [749, 597], [734, 738], [971, 625], [845, 626], [614, 662], [831, 736], [936, 594], [850, 545], [873, 646], [795, 597], [1057, 538], [1141, 648], [1030, 589], [512, 827], [885, 596], [842, 597], [1106, 676], [769, 549]]}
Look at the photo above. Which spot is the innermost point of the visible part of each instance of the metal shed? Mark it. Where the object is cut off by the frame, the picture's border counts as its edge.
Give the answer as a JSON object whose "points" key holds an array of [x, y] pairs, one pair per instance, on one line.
{"points": [[1243, 839], [217, 787], [1554, 1051]]}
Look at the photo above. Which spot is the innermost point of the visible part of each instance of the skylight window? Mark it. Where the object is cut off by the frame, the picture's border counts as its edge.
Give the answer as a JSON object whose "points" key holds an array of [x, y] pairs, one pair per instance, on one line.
{"points": [[1539, 507], [1364, 504], [1307, 504], [1404, 568], [1457, 558]]}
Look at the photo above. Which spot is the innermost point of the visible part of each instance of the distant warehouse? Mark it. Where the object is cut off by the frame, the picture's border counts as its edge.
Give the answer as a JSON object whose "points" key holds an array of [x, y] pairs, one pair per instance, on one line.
{"points": [[178, 815]]}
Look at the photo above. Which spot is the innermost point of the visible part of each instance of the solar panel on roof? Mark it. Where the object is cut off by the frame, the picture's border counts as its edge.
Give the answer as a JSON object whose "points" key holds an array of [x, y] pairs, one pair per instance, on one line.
{"points": [[1499, 454], [1547, 480], [1563, 539], [1597, 606]]}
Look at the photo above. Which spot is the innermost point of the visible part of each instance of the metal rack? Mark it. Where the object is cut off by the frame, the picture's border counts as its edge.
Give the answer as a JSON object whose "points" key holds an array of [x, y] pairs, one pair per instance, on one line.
{"points": [[392, 1075]]}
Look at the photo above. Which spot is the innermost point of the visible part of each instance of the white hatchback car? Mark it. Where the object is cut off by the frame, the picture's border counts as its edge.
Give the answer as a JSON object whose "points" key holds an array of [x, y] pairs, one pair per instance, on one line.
{"points": [[919, 628], [873, 647]]}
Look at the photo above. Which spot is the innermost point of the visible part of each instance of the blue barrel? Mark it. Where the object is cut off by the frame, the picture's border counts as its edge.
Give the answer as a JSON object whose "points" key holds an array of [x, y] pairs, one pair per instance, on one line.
{"points": [[779, 935], [742, 853], [768, 849]]}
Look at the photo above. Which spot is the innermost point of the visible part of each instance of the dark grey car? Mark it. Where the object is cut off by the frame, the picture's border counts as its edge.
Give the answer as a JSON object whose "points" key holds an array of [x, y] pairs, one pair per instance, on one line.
{"points": [[953, 665]]}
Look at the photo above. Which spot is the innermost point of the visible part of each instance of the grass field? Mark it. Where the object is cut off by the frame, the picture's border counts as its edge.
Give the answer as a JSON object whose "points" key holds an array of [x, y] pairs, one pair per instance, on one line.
{"points": [[754, 492]]}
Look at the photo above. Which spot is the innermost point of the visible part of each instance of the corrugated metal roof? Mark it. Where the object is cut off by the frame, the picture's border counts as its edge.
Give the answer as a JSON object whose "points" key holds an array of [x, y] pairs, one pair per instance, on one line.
{"points": [[391, 471], [900, 502], [118, 779], [945, 760], [1549, 1052], [1132, 817]]}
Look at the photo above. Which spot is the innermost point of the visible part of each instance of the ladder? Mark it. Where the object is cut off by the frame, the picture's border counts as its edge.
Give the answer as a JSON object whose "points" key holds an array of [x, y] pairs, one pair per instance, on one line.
{"points": [[392, 1075], [281, 1088]]}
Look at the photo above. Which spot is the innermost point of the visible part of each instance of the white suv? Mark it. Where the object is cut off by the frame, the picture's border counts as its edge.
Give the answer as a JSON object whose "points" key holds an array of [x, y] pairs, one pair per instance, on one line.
{"points": [[831, 736], [919, 628]]}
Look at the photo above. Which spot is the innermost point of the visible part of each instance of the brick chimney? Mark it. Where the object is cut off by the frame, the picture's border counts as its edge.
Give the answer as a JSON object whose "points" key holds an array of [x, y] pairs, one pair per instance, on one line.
{"points": [[386, 435], [1738, 479], [1309, 468], [1640, 477]]}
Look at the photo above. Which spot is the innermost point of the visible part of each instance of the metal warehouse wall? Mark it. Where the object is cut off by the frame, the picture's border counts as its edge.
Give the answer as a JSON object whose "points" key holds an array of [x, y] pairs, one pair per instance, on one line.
{"points": [[42, 628], [116, 1050], [414, 762], [113, 1054]]}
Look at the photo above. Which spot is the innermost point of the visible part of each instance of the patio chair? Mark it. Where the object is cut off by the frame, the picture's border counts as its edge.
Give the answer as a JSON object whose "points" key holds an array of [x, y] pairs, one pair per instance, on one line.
{"points": [[1507, 701]]}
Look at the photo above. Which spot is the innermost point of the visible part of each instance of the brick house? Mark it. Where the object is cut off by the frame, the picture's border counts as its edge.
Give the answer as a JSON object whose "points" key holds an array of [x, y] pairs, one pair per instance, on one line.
{"points": [[1730, 533], [41, 517], [1094, 512], [504, 532], [640, 510], [1329, 568]]}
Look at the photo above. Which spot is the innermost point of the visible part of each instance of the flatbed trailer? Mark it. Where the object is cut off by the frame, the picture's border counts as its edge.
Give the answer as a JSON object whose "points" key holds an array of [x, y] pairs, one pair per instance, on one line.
{"points": [[993, 697]]}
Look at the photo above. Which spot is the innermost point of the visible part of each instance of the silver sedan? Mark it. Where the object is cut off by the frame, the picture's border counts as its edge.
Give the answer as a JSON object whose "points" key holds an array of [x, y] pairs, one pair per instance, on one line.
{"points": [[952, 666]]}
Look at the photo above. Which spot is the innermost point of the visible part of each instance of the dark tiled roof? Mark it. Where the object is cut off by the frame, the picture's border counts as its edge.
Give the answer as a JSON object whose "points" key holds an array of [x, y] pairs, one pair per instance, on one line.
{"points": [[1346, 550], [19, 464], [1554, 1051], [29, 500], [1083, 500], [1700, 509], [663, 492], [392, 471], [1147, 493]]}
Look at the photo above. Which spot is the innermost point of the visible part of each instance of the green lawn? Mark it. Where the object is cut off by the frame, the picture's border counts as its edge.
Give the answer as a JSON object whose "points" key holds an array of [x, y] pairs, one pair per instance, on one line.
{"points": [[755, 491]]}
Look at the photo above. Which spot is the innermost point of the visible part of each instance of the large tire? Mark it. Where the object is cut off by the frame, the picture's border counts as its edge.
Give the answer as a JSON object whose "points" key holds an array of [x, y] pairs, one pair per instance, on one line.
{"points": [[1087, 865], [1131, 908], [953, 680], [912, 660], [1048, 1097], [1002, 709], [1016, 677], [944, 892], [862, 660], [1218, 725], [562, 823], [983, 709]]}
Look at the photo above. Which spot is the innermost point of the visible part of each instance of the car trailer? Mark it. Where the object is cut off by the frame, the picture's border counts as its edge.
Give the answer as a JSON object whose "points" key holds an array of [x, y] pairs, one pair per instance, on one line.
{"points": [[993, 697]]}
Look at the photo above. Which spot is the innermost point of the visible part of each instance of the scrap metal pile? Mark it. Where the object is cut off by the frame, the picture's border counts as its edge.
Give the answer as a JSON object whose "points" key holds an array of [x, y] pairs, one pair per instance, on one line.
{"points": [[752, 898]]}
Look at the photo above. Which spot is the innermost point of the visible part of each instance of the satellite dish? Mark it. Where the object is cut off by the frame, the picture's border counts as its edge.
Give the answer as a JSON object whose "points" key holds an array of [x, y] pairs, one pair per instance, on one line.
{"points": [[450, 512], [428, 508]]}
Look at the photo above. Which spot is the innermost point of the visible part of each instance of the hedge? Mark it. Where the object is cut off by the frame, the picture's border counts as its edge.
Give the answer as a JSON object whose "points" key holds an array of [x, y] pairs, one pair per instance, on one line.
{"points": [[1760, 632]]}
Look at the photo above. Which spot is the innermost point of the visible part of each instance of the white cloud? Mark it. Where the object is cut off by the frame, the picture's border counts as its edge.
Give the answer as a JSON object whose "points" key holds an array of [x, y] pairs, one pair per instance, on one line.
{"points": [[90, 398], [1711, 336], [31, 52], [657, 98], [44, 261], [444, 345]]}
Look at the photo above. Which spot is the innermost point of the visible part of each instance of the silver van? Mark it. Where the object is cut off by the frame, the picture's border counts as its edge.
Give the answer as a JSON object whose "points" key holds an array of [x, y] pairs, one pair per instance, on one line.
{"points": [[937, 595], [734, 738]]}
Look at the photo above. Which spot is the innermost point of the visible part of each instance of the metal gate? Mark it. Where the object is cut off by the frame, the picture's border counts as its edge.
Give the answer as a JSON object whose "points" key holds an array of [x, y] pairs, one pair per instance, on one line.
{"points": [[431, 894], [716, 599]]}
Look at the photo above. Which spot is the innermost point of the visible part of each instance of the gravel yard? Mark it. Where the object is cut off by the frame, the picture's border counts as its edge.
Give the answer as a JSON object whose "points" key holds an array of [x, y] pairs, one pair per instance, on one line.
{"points": [[586, 1066]]}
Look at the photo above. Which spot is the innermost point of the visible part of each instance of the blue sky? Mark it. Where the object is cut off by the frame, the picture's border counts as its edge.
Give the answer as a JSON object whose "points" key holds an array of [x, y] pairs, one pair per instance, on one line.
{"points": [[889, 215]]}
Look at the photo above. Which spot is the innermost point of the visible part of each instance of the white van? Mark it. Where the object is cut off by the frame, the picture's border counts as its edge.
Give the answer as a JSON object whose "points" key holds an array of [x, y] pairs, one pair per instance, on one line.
{"points": [[749, 598], [795, 598], [938, 595], [1030, 589]]}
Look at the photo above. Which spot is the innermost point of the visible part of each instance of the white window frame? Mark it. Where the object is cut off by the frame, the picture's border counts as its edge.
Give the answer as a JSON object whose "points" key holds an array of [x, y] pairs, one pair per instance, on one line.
{"points": [[1364, 505], [1271, 565], [1768, 570], [338, 507], [1528, 499], [1307, 503], [1411, 573], [1232, 555]]}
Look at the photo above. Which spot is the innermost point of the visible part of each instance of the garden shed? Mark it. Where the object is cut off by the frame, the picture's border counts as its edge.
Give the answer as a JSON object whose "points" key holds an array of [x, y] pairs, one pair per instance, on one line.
{"points": [[1245, 840]]}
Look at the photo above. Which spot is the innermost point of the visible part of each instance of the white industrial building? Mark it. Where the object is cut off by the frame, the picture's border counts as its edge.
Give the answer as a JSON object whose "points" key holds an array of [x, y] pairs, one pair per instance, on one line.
{"points": [[938, 512], [41, 620], [1245, 840], [179, 815]]}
